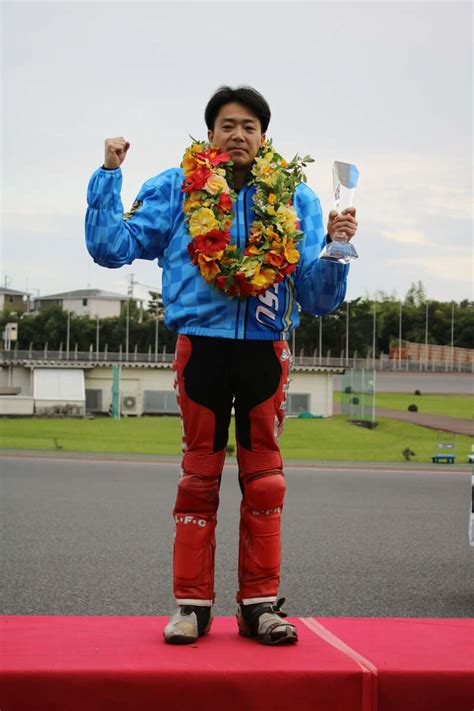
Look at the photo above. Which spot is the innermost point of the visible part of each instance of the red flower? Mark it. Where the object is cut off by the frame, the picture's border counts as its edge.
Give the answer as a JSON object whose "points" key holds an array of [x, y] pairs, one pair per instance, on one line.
{"points": [[242, 285], [213, 156], [221, 282], [274, 259], [218, 158], [212, 242], [225, 203], [289, 269], [196, 181], [192, 252]]}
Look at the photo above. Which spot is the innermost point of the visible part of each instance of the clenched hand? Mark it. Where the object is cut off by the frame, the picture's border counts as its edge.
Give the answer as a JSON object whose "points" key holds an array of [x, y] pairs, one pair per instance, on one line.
{"points": [[115, 152]]}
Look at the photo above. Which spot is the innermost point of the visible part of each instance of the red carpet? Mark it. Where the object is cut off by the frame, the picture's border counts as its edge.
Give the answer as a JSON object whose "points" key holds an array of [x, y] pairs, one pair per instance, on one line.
{"points": [[122, 664]]}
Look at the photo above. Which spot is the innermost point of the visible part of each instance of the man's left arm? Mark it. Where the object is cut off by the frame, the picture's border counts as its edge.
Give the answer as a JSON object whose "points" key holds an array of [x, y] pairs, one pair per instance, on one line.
{"points": [[320, 283]]}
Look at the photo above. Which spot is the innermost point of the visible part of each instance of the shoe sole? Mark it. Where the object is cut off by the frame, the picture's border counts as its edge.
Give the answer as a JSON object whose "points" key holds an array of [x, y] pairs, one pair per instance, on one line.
{"points": [[289, 639]]}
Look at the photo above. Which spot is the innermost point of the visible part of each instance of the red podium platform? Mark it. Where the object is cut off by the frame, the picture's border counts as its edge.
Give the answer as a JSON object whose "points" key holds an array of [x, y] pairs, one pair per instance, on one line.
{"points": [[349, 664]]}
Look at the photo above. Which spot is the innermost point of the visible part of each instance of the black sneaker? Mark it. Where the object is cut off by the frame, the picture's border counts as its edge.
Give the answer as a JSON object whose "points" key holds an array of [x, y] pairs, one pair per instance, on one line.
{"points": [[263, 621]]}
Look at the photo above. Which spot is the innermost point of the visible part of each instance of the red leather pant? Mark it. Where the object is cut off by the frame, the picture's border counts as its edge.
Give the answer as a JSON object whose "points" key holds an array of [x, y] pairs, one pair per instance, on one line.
{"points": [[212, 375]]}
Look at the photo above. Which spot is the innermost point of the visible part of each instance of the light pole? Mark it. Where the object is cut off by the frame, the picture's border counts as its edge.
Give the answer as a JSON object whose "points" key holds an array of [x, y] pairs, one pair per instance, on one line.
{"points": [[374, 331], [127, 329], [347, 333], [426, 337], [157, 321], [320, 340], [68, 327], [68, 333], [452, 336], [400, 338]]}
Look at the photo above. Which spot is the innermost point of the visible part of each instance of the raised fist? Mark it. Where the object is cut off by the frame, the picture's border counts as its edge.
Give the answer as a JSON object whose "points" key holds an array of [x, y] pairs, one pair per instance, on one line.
{"points": [[115, 152]]}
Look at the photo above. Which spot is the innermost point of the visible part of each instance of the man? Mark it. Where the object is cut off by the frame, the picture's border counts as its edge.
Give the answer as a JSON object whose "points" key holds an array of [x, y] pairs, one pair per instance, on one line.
{"points": [[232, 344]]}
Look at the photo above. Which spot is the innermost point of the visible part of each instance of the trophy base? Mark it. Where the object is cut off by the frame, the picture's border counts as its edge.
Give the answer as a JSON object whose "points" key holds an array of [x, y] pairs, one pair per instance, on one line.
{"points": [[342, 252]]}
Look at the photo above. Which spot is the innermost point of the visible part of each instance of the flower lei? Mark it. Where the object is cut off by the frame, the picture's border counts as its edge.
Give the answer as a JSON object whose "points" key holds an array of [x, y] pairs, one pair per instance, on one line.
{"points": [[271, 251]]}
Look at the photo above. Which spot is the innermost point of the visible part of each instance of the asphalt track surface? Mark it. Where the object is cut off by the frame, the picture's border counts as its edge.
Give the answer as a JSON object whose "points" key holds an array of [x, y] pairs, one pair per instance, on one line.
{"points": [[84, 536]]}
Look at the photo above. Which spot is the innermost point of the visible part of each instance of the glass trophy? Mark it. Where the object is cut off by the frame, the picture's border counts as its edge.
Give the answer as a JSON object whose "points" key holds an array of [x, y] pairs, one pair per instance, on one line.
{"points": [[344, 176]]}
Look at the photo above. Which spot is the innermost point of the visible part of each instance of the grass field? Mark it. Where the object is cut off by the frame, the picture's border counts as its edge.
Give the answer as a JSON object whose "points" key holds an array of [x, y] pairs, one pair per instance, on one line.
{"points": [[330, 439], [453, 405]]}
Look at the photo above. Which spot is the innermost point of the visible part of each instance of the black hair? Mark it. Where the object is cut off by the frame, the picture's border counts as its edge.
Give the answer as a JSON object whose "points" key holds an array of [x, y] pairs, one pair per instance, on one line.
{"points": [[245, 95]]}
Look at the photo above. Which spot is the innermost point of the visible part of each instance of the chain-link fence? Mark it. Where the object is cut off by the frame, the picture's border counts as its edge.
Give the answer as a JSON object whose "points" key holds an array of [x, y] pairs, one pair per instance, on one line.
{"points": [[358, 395]]}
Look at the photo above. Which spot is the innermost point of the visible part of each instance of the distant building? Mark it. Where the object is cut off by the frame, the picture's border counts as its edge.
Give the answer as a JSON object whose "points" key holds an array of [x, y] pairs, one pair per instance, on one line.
{"points": [[430, 353], [86, 302], [14, 300], [55, 387]]}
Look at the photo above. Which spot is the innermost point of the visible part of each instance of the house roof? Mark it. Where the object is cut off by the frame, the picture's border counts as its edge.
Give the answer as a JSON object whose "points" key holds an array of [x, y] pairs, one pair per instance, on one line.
{"points": [[12, 292], [84, 294]]}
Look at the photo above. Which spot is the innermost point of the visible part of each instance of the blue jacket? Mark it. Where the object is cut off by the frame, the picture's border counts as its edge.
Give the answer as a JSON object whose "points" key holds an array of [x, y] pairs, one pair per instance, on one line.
{"points": [[155, 229]]}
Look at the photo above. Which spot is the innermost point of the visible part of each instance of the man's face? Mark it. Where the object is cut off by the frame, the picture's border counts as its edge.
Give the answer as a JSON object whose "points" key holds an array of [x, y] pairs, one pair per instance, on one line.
{"points": [[237, 131]]}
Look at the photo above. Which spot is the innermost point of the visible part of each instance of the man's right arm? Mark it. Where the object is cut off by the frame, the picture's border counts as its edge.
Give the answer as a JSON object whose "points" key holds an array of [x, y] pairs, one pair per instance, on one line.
{"points": [[112, 237]]}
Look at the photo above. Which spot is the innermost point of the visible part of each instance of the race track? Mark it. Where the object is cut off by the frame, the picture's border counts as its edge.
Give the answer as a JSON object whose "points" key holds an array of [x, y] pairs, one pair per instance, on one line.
{"points": [[93, 537]]}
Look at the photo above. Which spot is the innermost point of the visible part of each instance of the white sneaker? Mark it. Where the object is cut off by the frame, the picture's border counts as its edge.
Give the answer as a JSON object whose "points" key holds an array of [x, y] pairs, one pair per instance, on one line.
{"points": [[187, 624]]}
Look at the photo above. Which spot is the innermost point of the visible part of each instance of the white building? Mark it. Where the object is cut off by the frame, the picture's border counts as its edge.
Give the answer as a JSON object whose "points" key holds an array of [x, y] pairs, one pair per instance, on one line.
{"points": [[87, 302], [47, 387]]}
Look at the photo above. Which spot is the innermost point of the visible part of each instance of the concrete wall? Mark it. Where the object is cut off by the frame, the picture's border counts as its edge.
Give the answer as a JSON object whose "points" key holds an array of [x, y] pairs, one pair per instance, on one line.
{"points": [[16, 405], [74, 408], [17, 375], [133, 382]]}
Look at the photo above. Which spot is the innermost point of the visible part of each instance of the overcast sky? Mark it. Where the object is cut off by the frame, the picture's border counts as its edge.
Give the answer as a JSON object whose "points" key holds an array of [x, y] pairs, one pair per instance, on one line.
{"points": [[385, 85]]}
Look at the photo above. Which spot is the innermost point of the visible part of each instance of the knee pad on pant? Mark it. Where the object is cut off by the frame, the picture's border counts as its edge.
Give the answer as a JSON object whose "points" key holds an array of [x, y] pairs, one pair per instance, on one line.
{"points": [[198, 494], [264, 493]]}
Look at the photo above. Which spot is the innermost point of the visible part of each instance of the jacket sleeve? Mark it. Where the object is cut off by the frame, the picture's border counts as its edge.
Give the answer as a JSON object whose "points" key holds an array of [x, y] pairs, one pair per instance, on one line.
{"points": [[320, 284], [114, 238]]}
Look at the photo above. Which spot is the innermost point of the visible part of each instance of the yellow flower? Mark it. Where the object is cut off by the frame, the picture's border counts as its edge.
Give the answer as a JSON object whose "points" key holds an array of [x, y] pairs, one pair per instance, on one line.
{"points": [[271, 234], [270, 178], [216, 184], [291, 253], [271, 210], [262, 166], [271, 198], [287, 217], [208, 267], [202, 221], [264, 278], [190, 204], [250, 266], [254, 250]]}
